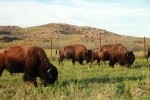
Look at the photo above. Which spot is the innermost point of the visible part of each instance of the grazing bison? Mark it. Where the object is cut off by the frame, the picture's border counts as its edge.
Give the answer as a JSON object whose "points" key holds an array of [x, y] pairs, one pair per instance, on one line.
{"points": [[32, 61], [76, 52], [115, 53]]}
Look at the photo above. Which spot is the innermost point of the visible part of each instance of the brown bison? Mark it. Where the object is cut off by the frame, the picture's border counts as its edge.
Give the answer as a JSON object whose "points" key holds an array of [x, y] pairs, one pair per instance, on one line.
{"points": [[76, 52], [115, 53], [32, 61]]}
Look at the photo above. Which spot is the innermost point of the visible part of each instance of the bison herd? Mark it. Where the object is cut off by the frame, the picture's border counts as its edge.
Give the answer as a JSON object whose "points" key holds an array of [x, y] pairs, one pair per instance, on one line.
{"points": [[114, 53], [33, 61]]}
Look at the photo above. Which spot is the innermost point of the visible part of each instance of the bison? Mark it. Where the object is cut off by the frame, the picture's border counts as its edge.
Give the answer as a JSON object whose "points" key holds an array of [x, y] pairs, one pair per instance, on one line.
{"points": [[32, 61], [115, 53], [76, 52]]}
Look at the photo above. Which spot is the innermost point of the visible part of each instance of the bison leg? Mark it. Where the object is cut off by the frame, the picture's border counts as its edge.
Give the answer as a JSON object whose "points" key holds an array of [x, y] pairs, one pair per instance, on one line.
{"points": [[81, 62], [111, 63], [25, 78], [90, 64], [30, 78], [44, 78], [92, 60], [73, 61], [60, 60], [98, 62], [33, 81]]}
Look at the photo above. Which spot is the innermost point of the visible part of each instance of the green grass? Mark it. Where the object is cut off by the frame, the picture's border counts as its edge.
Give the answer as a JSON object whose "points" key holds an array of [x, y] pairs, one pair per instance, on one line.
{"points": [[80, 82]]}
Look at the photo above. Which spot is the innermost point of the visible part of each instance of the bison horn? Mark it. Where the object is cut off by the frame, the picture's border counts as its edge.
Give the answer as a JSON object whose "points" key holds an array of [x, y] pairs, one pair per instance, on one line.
{"points": [[49, 70], [127, 54]]}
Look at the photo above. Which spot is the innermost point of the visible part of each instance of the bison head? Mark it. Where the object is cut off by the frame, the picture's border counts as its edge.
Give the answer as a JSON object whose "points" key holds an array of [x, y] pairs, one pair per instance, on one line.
{"points": [[129, 58], [52, 75], [88, 56]]}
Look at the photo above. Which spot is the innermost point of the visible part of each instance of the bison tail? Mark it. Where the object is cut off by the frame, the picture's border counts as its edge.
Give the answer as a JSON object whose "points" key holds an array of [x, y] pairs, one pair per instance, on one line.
{"points": [[56, 51]]}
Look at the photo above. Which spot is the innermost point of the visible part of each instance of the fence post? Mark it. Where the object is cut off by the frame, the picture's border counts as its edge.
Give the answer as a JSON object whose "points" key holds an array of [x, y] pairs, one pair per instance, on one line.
{"points": [[99, 39], [51, 47]]}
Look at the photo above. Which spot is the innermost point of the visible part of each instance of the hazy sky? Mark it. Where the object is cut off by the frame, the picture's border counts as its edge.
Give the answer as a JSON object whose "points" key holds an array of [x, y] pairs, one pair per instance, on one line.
{"points": [[125, 17]]}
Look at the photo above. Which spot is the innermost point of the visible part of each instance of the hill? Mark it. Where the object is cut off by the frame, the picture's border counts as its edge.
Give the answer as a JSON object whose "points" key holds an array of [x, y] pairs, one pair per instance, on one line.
{"points": [[65, 34]]}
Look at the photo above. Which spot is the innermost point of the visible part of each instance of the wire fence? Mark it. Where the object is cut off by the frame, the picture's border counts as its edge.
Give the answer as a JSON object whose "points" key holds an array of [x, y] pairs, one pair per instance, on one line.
{"points": [[136, 45]]}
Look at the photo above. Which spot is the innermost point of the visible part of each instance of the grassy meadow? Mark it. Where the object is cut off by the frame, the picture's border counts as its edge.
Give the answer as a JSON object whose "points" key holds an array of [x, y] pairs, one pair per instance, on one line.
{"points": [[81, 82]]}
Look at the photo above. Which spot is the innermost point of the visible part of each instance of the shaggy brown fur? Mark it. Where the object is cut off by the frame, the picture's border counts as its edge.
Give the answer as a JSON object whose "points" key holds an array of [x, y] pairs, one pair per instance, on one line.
{"points": [[32, 61], [75, 52], [116, 53], [148, 53], [95, 56], [98, 55]]}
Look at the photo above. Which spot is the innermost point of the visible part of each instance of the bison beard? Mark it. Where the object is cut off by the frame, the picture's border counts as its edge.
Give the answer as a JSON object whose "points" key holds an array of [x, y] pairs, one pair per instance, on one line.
{"points": [[32, 61]]}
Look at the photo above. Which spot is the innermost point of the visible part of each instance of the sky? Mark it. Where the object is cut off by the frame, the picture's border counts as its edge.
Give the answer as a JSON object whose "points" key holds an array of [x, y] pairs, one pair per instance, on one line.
{"points": [[124, 17]]}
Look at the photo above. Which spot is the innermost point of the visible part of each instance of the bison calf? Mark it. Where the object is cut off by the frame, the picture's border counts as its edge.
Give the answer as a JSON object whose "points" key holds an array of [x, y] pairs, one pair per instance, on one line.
{"points": [[76, 52], [32, 61]]}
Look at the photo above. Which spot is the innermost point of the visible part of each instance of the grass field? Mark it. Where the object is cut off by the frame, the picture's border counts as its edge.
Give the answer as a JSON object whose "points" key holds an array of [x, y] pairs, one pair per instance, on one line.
{"points": [[80, 82]]}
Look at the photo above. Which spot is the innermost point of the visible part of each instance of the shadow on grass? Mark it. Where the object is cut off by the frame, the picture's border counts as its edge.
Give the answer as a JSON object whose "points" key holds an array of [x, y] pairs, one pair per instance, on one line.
{"points": [[102, 80]]}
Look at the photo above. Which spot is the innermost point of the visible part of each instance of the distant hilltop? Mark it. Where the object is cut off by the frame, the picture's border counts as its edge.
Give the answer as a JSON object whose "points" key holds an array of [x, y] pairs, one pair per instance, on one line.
{"points": [[58, 28], [9, 28]]}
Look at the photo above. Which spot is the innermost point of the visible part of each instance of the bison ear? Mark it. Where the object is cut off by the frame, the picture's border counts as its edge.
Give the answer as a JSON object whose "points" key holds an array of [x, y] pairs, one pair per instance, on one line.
{"points": [[127, 54]]}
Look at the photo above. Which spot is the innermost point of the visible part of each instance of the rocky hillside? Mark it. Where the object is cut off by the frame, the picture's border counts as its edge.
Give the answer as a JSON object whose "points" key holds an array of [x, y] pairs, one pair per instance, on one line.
{"points": [[6, 33], [64, 34]]}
